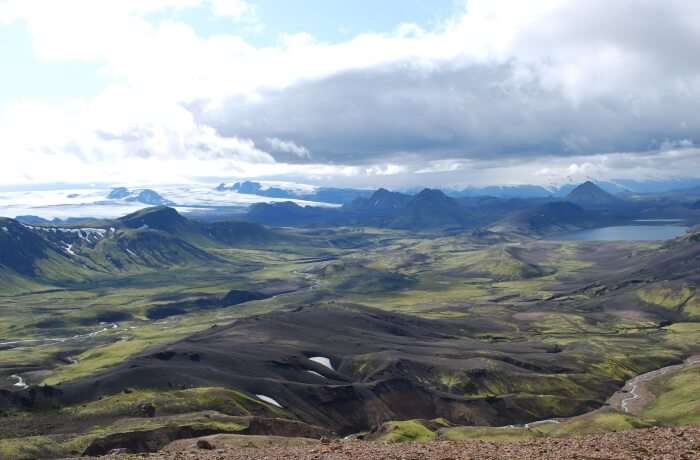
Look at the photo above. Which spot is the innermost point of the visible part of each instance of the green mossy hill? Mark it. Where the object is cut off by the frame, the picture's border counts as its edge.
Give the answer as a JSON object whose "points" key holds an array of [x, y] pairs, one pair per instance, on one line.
{"points": [[408, 431], [677, 400], [504, 263]]}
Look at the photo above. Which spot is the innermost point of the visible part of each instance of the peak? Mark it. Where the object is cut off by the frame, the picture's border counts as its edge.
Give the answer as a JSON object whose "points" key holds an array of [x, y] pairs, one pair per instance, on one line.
{"points": [[382, 192], [588, 184], [590, 194], [157, 217], [118, 193], [431, 193], [153, 210]]}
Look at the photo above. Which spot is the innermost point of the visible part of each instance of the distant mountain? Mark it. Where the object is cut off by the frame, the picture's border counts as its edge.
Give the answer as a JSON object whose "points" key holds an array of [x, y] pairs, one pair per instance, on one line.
{"points": [[158, 218], [428, 209], [150, 197], [168, 220], [289, 213], [145, 196], [256, 188], [381, 202], [660, 186], [295, 191], [613, 188], [118, 193], [160, 237], [431, 208], [547, 218], [589, 194], [504, 191]]}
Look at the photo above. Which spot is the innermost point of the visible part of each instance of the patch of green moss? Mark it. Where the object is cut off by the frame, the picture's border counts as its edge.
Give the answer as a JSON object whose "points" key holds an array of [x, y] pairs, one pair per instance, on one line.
{"points": [[601, 421], [677, 398], [406, 431], [33, 447], [221, 400], [670, 298], [97, 359], [491, 434]]}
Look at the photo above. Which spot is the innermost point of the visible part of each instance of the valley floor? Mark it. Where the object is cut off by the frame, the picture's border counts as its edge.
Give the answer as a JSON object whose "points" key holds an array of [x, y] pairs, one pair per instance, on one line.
{"points": [[327, 332], [654, 443]]}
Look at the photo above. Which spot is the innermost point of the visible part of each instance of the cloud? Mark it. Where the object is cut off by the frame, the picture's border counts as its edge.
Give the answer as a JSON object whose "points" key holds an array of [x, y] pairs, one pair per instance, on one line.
{"points": [[584, 87], [237, 9], [109, 140], [283, 146]]}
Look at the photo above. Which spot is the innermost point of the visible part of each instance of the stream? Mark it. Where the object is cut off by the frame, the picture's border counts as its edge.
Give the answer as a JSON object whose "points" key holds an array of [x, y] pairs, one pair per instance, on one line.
{"points": [[631, 398], [634, 396], [42, 341]]}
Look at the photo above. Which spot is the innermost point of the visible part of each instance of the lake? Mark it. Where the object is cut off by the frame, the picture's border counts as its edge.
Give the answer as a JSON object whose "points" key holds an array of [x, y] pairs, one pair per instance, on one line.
{"points": [[625, 233]]}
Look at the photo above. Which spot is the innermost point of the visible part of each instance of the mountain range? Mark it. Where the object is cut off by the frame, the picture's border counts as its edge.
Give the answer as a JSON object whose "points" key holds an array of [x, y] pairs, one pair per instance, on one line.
{"points": [[307, 193], [432, 209], [346, 195], [147, 239]]}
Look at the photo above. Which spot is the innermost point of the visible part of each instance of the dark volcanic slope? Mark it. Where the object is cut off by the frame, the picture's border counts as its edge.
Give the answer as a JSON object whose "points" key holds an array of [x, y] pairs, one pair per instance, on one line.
{"points": [[21, 248], [548, 218], [385, 366]]}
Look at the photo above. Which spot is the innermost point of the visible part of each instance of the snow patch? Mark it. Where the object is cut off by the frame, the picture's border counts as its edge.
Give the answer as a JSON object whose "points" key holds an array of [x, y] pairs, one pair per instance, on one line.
{"points": [[6, 230], [316, 373], [21, 384], [69, 249], [86, 234], [269, 400], [322, 361]]}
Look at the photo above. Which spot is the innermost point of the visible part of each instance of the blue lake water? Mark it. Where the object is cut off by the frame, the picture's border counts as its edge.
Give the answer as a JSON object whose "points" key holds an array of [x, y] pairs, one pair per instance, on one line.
{"points": [[625, 233]]}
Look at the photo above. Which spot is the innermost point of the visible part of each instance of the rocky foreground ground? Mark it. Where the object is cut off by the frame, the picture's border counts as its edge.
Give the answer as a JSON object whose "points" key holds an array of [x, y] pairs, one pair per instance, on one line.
{"points": [[655, 443]]}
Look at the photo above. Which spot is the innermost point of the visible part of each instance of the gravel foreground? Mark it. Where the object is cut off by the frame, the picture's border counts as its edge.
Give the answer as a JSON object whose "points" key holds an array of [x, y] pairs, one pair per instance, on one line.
{"points": [[654, 443]]}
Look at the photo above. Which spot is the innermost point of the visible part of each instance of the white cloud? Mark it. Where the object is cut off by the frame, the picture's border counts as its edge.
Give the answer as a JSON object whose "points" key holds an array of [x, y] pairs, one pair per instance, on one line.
{"points": [[116, 136], [237, 9], [280, 145], [505, 84]]}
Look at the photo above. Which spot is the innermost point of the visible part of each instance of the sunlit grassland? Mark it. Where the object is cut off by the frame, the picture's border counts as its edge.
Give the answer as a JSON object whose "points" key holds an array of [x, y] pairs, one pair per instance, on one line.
{"points": [[677, 398], [74, 444], [63, 314], [222, 400], [451, 273], [599, 421], [445, 278]]}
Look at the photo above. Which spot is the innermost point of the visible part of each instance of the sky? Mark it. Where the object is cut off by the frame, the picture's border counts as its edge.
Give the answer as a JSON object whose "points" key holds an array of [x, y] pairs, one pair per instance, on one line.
{"points": [[396, 93]]}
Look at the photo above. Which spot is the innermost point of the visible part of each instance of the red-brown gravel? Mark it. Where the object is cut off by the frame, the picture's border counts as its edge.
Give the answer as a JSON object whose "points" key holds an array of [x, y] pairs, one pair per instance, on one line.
{"points": [[655, 443]]}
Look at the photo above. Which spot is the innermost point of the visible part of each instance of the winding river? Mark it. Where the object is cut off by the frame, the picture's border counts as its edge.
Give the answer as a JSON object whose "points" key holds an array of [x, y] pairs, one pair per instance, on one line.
{"points": [[634, 396], [631, 399]]}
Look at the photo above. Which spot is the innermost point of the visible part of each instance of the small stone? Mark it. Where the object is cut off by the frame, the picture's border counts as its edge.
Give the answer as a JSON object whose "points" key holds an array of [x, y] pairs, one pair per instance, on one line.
{"points": [[148, 409], [204, 444]]}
